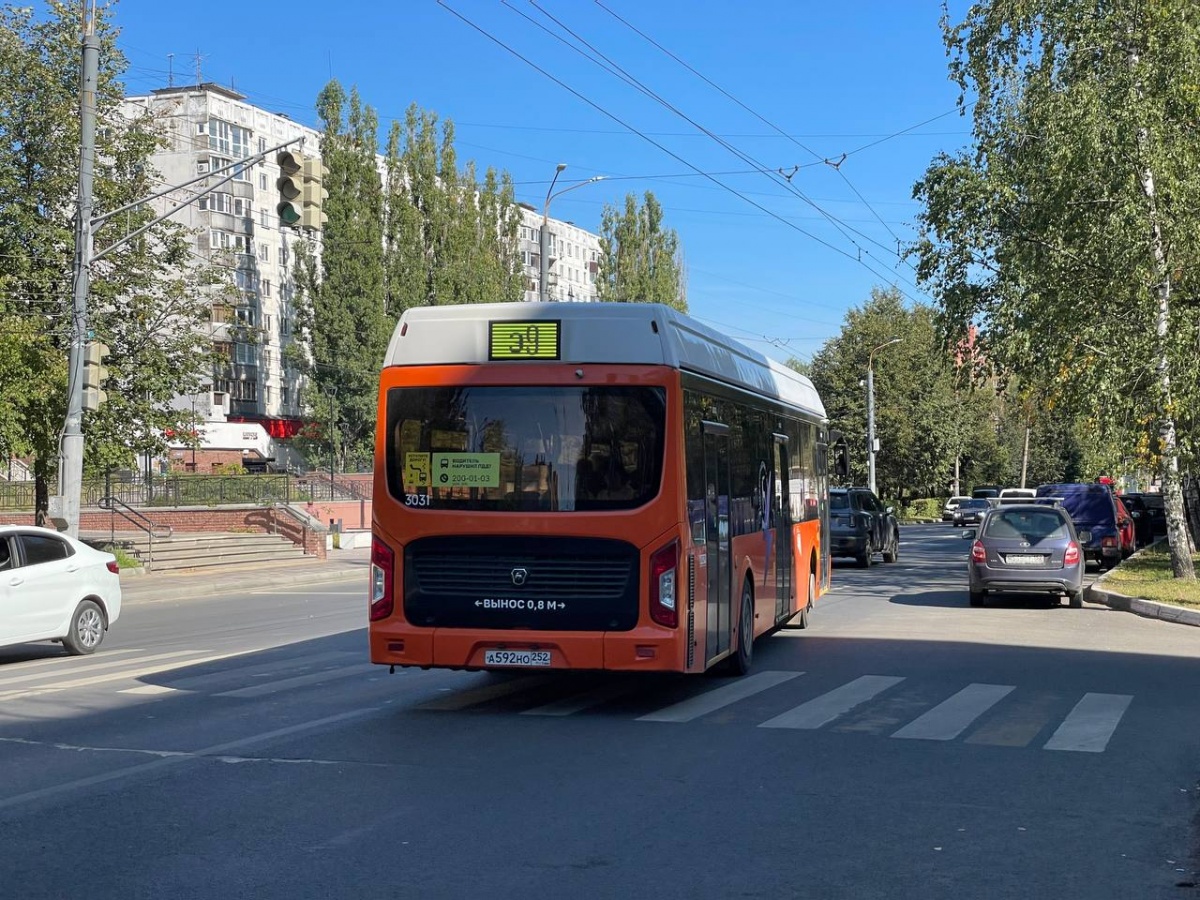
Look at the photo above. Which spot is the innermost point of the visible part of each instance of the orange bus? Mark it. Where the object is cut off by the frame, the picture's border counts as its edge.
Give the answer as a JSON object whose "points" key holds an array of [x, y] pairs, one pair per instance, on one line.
{"points": [[590, 486]]}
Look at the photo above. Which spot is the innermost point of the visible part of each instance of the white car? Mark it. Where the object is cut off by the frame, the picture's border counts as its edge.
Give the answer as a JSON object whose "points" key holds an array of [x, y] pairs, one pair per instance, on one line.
{"points": [[950, 507], [55, 588], [1023, 493]]}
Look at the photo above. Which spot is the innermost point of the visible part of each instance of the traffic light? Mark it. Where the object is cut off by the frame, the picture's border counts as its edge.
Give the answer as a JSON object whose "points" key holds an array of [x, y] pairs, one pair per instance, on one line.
{"points": [[291, 188], [94, 374], [312, 215]]}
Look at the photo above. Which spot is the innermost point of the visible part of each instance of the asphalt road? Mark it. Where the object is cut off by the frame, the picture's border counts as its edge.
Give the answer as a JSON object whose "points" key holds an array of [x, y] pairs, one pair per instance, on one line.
{"points": [[903, 746]]}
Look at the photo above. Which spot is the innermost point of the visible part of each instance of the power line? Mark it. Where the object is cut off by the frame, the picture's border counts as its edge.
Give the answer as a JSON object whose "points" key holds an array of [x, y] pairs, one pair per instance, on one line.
{"points": [[753, 112], [619, 72]]}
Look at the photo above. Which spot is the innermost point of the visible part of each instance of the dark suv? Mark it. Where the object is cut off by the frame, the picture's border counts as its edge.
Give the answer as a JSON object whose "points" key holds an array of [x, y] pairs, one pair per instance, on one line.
{"points": [[861, 526]]}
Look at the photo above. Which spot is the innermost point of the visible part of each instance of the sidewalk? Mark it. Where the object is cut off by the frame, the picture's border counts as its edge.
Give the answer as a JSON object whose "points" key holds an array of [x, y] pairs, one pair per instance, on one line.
{"points": [[341, 565]]}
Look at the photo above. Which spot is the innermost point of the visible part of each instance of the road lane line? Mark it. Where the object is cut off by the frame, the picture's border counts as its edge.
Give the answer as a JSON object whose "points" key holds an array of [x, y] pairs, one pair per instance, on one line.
{"points": [[69, 787], [710, 701], [578, 702], [950, 718], [122, 676], [240, 674], [149, 690], [1088, 727], [458, 701], [272, 687], [99, 666], [62, 661], [824, 709]]}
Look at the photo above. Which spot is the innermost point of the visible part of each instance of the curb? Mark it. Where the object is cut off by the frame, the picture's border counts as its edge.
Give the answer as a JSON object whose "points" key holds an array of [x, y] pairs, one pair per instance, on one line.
{"points": [[1149, 609], [188, 587]]}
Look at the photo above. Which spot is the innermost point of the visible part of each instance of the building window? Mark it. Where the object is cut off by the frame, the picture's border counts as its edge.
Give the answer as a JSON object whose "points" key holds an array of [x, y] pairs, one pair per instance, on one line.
{"points": [[264, 252], [262, 218], [262, 181], [285, 395], [266, 287], [227, 138], [262, 145]]}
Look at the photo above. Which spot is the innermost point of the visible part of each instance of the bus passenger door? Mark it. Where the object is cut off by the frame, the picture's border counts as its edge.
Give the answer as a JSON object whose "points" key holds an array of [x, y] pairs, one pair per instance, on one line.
{"points": [[781, 522], [716, 504]]}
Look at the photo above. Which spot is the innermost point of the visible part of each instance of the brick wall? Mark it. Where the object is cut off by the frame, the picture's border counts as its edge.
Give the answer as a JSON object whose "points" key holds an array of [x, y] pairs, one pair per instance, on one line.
{"points": [[207, 461], [355, 514]]}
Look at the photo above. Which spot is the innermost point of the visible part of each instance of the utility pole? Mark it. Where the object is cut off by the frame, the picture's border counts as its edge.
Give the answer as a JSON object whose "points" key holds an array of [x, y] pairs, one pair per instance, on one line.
{"points": [[544, 239], [1025, 457], [70, 468], [872, 448]]}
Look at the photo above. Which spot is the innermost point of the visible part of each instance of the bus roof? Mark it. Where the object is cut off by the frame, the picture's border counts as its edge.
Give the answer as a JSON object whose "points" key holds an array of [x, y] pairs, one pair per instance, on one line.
{"points": [[638, 333]]}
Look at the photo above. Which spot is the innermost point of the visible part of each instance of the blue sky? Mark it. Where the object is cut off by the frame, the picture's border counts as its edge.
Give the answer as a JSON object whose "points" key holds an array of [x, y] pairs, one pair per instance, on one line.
{"points": [[765, 264]]}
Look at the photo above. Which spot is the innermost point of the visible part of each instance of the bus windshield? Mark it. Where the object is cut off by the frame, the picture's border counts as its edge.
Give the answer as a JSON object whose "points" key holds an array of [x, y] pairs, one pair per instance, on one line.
{"points": [[552, 449]]}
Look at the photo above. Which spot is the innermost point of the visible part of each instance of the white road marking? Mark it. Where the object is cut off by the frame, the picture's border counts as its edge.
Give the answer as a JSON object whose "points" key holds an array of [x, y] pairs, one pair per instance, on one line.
{"points": [[71, 787], [123, 676], [457, 701], [824, 709], [240, 674], [149, 689], [710, 701], [949, 719], [61, 661], [98, 666], [1090, 724], [272, 687], [586, 700]]}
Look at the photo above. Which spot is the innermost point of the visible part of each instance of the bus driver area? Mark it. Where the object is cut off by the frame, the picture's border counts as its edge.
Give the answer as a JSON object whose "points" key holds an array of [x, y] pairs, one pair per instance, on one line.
{"points": [[595, 486]]}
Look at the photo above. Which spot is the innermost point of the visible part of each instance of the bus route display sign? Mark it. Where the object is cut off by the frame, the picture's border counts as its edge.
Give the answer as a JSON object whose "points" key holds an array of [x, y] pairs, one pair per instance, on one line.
{"points": [[524, 340]]}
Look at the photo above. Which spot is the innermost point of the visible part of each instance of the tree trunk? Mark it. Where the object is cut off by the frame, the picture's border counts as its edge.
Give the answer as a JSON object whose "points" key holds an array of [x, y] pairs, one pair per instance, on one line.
{"points": [[1177, 537]]}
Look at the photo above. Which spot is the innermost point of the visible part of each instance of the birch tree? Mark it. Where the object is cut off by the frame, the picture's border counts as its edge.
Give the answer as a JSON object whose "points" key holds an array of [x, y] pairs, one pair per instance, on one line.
{"points": [[1069, 230]]}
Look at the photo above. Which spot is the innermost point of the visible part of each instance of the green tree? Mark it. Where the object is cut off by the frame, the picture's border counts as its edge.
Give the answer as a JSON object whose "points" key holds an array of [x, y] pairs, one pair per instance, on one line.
{"points": [[1070, 230], [147, 298], [921, 415], [342, 299], [640, 259], [448, 237]]}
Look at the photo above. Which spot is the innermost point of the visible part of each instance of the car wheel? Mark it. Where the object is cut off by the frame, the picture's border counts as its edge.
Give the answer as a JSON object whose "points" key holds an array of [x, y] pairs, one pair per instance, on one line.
{"points": [[892, 552], [976, 598], [864, 559], [739, 663], [87, 629], [1075, 598]]}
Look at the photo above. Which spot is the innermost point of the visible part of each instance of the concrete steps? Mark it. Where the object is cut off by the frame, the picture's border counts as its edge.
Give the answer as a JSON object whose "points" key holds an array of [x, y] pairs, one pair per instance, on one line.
{"points": [[201, 550]]}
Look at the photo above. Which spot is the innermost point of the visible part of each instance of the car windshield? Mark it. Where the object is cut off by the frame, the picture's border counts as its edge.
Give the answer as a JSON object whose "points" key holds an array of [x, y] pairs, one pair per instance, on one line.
{"points": [[1031, 525], [839, 501], [974, 504]]}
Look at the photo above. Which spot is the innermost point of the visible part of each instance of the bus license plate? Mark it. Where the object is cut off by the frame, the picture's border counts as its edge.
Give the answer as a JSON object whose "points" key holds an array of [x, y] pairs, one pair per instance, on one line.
{"points": [[516, 657]]}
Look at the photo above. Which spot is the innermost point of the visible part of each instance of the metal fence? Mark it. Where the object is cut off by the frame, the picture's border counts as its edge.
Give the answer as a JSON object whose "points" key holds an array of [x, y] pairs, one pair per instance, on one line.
{"points": [[199, 490]]}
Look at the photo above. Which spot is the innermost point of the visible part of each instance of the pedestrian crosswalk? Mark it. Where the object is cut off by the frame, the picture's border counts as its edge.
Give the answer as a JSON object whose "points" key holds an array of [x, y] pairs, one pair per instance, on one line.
{"points": [[908, 708]]}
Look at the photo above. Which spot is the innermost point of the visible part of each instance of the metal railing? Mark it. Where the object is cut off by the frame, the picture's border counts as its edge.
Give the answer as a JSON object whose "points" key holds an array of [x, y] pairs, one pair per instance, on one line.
{"points": [[153, 529], [201, 490]]}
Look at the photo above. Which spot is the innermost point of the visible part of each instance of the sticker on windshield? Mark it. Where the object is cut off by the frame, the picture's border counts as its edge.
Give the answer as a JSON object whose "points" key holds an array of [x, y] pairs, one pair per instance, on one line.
{"points": [[416, 471], [466, 470]]}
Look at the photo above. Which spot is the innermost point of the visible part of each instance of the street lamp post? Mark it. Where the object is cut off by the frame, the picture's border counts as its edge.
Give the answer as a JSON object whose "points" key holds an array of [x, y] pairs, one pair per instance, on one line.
{"points": [[871, 448], [544, 234]]}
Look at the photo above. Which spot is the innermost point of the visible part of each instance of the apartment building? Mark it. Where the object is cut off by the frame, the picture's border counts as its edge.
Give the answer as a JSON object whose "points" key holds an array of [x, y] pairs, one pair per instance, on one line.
{"points": [[208, 126], [574, 256]]}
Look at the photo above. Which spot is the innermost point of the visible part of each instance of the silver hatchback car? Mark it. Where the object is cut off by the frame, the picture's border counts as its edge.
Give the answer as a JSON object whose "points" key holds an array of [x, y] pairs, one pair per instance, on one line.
{"points": [[1025, 548]]}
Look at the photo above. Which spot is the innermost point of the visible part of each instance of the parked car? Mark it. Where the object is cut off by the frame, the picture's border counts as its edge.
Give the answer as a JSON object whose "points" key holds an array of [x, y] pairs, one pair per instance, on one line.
{"points": [[1149, 516], [1127, 529], [971, 511], [861, 526], [985, 491], [55, 588], [950, 507], [1032, 548], [1093, 509]]}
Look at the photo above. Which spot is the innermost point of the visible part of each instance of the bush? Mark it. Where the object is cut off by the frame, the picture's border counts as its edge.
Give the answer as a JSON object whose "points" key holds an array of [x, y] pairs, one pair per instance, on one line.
{"points": [[924, 508]]}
